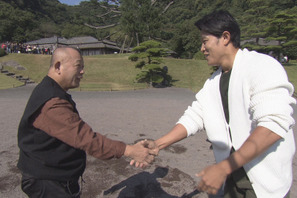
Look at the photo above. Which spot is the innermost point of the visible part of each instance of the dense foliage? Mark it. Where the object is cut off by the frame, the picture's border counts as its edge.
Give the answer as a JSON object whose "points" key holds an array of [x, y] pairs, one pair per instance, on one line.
{"points": [[130, 22], [148, 57]]}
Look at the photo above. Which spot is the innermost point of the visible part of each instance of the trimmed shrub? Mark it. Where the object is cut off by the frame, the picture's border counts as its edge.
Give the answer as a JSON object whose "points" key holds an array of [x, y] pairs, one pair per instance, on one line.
{"points": [[2, 52]]}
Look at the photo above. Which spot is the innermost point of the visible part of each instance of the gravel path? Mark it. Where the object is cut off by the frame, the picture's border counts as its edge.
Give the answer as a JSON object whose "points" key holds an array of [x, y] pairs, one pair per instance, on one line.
{"points": [[126, 116]]}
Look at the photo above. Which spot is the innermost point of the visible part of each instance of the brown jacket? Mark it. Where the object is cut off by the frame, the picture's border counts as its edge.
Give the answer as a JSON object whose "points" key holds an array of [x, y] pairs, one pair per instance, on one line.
{"points": [[58, 120]]}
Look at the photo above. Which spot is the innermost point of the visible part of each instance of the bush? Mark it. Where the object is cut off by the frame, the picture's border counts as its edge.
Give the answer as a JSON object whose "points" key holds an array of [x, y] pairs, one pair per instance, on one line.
{"points": [[149, 56], [2, 52], [199, 56]]}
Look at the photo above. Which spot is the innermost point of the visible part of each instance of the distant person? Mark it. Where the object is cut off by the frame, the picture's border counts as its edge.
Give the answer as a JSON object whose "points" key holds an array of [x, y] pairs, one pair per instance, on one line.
{"points": [[286, 59], [54, 140], [245, 107], [3, 46], [8, 47]]}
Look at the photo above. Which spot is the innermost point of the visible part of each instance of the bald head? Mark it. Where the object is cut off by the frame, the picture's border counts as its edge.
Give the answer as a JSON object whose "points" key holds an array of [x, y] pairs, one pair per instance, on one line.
{"points": [[66, 67], [63, 54]]}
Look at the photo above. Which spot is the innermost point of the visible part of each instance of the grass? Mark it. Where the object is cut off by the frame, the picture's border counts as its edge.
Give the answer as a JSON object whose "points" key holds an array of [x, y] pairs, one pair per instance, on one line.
{"points": [[291, 69], [188, 73], [8, 82], [116, 72], [113, 72]]}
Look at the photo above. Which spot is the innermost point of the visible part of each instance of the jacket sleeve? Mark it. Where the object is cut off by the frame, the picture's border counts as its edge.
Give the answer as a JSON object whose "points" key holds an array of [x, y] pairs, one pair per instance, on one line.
{"points": [[58, 119], [192, 118], [271, 98]]}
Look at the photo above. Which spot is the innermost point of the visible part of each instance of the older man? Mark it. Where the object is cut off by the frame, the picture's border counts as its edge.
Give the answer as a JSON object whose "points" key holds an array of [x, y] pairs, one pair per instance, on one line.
{"points": [[54, 140]]}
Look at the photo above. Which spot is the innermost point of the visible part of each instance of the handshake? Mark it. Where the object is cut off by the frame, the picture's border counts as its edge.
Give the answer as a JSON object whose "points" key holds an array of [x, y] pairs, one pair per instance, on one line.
{"points": [[142, 153]]}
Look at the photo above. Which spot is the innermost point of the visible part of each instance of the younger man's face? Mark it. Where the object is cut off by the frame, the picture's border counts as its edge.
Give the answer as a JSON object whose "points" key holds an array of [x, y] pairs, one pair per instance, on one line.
{"points": [[213, 49]]}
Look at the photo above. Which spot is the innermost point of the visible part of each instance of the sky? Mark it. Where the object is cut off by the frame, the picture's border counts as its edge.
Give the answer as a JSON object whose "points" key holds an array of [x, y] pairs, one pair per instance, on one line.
{"points": [[71, 2]]}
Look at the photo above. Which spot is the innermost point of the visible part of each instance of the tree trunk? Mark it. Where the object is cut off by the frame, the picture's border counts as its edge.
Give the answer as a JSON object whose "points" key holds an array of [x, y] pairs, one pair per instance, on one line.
{"points": [[123, 46], [137, 40]]}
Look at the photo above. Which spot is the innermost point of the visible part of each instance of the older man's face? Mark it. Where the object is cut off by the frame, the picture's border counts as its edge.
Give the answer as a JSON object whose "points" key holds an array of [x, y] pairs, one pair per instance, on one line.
{"points": [[72, 71]]}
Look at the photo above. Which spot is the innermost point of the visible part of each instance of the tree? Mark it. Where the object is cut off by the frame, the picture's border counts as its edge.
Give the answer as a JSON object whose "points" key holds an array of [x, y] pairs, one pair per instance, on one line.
{"points": [[140, 19], [73, 30], [14, 22], [256, 14], [282, 28], [290, 46], [130, 22], [186, 40], [148, 56], [103, 14]]}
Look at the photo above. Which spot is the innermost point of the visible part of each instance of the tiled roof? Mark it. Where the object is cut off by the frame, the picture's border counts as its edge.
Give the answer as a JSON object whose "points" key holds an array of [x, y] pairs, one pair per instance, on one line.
{"points": [[82, 41], [51, 40]]}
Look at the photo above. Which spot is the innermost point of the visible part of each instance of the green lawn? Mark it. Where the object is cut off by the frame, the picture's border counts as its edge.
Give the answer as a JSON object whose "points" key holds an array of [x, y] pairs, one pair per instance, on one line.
{"points": [[291, 69], [116, 72], [113, 72], [8, 82]]}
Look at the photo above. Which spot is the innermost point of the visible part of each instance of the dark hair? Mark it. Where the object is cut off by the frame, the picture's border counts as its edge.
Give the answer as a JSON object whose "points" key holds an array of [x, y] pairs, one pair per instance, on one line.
{"points": [[217, 22]]}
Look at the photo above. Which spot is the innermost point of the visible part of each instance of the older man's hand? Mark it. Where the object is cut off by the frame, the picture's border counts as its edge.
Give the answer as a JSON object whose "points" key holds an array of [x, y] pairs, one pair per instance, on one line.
{"points": [[152, 149]]}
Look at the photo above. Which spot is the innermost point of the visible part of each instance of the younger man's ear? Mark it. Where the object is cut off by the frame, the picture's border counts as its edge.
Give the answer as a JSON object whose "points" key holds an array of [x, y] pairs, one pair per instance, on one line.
{"points": [[227, 37]]}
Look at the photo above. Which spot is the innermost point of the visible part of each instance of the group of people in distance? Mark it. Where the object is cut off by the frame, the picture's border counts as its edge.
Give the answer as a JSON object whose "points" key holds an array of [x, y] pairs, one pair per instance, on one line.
{"points": [[10, 47], [245, 108]]}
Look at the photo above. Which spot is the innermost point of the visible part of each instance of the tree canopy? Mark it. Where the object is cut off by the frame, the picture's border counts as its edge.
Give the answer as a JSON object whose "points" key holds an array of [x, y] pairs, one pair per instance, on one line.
{"points": [[130, 22], [148, 57]]}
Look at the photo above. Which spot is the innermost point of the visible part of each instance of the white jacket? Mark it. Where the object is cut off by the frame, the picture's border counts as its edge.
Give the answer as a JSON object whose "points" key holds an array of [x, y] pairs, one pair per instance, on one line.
{"points": [[259, 95]]}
